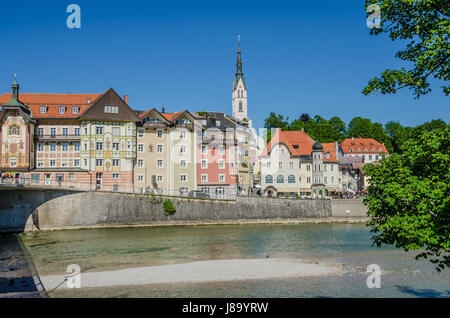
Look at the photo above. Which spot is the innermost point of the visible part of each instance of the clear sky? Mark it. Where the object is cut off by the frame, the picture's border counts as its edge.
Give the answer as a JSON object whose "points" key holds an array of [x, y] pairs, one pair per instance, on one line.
{"points": [[299, 56]]}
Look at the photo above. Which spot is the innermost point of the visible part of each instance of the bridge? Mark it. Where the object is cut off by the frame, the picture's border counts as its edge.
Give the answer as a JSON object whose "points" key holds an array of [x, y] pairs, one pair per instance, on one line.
{"points": [[18, 202]]}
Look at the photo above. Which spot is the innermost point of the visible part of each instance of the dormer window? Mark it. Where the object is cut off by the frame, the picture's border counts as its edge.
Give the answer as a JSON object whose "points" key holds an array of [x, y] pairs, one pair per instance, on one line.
{"points": [[43, 110], [365, 149], [379, 150], [359, 149], [14, 130], [75, 110], [88, 101], [351, 149], [111, 109], [61, 110], [372, 150]]}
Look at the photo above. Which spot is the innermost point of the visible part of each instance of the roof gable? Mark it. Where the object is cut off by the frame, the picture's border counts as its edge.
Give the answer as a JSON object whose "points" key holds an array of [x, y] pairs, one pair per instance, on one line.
{"points": [[98, 111]]}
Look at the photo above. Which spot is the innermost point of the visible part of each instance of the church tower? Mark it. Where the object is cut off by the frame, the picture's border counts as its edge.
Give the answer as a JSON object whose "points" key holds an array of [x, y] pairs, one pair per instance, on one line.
{"points": [[239, 89]]}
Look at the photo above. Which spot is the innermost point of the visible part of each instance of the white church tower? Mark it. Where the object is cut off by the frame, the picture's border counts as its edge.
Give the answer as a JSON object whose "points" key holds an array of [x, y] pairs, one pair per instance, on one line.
{"points": [[239, 89]]}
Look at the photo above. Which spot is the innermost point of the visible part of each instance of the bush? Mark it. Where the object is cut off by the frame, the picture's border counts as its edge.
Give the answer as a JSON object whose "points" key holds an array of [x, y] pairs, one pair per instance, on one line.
{"points": [[168, 207]]}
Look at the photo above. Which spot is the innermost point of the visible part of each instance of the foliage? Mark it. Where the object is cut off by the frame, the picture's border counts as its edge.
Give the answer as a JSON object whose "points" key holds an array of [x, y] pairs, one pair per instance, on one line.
{"points": [[409, 197], [424, 25], [168, 207], [154, 201]]}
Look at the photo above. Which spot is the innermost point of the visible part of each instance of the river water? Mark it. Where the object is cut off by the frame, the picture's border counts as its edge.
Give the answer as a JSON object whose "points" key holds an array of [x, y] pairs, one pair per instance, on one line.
{"points": [[349, 245]]}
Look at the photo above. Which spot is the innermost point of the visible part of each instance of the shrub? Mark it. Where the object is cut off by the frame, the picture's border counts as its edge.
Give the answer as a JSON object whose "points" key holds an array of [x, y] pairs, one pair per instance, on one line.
{"points": [[168, 207]]}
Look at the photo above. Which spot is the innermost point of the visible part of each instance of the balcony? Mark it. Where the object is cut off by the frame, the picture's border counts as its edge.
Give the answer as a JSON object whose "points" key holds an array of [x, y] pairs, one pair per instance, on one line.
{"points": [[187, 126], [154, 124], [56, 137]]}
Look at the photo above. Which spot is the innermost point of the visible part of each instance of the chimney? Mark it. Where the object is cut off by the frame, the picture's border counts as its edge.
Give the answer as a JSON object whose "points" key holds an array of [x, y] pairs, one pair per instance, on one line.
{"points": [[303, 129], [353, 138], [125, 98], [163, 110]]}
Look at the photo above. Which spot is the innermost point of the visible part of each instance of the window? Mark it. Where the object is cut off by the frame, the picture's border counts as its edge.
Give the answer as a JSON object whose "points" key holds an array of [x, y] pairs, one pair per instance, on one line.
{"points": [[61, 110], [308, 180], [13, 162], [160, 133], [221, 178], [99, 130], [280, 179], [52, 163], [99, 146], [99, 162], [332, 167], [332, 180], [116, 131], [221, 150], [182, 149], [221, 164], [204, 150], [204, 178], [35, 178], [41, 132], [116, 176], [116, 162], [140, 133], [160, 163], [129, 145], [115, 146], [111, 109], [269, 179], [183, 163], [14, 130], [370, 157], [75, 109], [182, 134], [76, 131], [204, 164], [359, 149], [52, 147], [140, 163], [159, 178], [183, 177], [76, 163], [217, 123], [85, 162], [40, 147], [351, 149], [280, 165], [65, 147], [141, 178], [43, 110], [53, 131], [115, 187], [140, 147], [76, 146], [325, 179], [64, 163], [269, 164], [160, 148], [291, 179], [365, 149], [291, 165], [308, 167], [240, 107]]}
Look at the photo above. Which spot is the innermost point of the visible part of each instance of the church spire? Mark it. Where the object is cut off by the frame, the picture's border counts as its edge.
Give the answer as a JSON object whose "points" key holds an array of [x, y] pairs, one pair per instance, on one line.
{"points": [[239, 59]]}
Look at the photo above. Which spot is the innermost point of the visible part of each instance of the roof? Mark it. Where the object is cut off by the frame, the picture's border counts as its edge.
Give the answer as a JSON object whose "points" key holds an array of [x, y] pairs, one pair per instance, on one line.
{"points": [[329, 148], [366, 145], [52, 102], [299, 143]]}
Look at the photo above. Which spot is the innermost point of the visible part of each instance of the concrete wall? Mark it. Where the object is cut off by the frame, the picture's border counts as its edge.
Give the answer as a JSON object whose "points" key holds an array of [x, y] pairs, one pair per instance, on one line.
{"points": [[93, 209], [348, 208]]}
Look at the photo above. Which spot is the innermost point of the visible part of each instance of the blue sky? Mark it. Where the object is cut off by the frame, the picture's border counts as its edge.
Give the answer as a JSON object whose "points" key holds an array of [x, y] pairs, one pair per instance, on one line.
{"points": [[299, 56]]}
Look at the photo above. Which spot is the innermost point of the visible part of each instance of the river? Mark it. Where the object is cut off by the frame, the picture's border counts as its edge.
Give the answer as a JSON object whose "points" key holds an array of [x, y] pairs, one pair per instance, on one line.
{"points": [[348, 245]]}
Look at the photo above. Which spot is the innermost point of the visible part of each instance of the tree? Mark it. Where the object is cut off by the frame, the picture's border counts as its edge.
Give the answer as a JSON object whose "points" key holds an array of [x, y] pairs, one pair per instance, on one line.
{"points": [[397, 134], [304, 118], [275, 121], [168, 207], [409, 197], [364, 128], [425, 26]]}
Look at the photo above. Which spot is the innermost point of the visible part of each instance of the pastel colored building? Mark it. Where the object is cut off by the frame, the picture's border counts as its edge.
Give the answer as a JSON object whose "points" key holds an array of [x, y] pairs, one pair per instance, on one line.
{"points": [[84, 141]]}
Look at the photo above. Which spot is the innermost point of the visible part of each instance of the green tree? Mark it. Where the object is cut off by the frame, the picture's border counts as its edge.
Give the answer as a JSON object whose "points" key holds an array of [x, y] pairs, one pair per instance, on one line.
{"points": [[364, 128], [275, 121], [409, 197], [168, 207], [424, 26]]}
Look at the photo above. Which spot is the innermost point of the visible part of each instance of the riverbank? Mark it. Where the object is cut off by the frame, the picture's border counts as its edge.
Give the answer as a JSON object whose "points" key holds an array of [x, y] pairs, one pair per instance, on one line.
{"points": [[199, 272], [279, 221], [18, 277]]}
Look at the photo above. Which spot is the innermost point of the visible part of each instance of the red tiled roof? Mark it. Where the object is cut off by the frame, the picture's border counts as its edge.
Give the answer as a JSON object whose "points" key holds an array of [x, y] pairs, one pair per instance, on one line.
{"points": [[291, 139], [53, 101], [331, 149], [366, 145], [172, 116]]}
